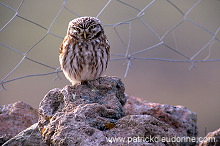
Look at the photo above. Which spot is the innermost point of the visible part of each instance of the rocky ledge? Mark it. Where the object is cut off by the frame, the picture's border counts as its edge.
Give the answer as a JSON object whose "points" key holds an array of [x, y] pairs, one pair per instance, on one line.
{"points": [[15, 118], [100, 113]]}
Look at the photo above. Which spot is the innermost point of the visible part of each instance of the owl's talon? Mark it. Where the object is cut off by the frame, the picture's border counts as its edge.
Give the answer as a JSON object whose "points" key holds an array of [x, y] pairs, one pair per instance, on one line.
{"points": [[84, 83]]}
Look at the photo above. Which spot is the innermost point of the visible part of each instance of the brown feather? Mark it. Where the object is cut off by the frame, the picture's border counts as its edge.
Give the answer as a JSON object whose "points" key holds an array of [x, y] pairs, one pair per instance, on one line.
{"points": [[81, 58]]}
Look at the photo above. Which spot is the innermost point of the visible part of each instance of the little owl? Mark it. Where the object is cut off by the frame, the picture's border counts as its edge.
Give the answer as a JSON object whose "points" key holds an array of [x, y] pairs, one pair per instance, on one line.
{"points": [[85, 51]]}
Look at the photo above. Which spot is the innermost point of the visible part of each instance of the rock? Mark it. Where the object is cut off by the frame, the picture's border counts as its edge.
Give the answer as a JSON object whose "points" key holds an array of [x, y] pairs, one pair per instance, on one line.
{"points": [[14, 118], [77, 115], [99, 113], [178, 117], [29, 137], [140, 130], [212, 139]]}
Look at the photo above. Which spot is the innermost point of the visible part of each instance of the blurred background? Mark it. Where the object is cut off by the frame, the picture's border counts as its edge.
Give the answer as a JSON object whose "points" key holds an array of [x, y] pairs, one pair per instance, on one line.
{"points": [[166, 52]]}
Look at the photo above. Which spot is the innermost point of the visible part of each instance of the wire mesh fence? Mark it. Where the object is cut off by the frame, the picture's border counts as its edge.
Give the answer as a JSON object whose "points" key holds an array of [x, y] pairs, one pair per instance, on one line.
{"points": [[127, 53], [139, 32]]}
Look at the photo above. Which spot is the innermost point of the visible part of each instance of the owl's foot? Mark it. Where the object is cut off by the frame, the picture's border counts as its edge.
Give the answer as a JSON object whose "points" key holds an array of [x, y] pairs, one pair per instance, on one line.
{"points": [[85, 83]]}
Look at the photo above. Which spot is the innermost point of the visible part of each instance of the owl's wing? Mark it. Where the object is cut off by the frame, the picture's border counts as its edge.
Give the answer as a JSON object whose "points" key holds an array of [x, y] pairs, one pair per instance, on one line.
{"points": [[107, 46], [63, 46], [107, 51]]}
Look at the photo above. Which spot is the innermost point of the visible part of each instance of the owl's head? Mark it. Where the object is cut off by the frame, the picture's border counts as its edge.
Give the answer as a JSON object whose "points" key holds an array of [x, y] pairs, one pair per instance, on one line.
{"points": [[85, 28]]}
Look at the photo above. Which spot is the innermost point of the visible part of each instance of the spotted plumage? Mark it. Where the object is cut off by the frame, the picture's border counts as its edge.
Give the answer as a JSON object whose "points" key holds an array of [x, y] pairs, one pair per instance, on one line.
{"points": [[85, 51]]}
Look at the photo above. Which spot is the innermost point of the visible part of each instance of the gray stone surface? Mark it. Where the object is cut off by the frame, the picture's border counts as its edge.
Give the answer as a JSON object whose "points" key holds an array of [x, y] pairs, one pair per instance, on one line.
{"points": [[141, 130], [29, 137], [178, 117], [99, 113], [79, 114], [14, 118]]}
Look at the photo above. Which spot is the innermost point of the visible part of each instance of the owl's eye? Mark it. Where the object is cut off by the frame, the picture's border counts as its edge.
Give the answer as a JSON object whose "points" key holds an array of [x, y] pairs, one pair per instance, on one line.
{"points": [[76, 28], [92, 27]]}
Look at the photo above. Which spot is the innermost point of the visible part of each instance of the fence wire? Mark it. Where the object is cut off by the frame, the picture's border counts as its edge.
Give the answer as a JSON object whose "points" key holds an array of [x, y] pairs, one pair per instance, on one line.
{"points": [[128, 53]]}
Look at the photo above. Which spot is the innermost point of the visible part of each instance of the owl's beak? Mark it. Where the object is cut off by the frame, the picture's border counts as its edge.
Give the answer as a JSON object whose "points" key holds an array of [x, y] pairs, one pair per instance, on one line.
{"points": [[84, 35]]}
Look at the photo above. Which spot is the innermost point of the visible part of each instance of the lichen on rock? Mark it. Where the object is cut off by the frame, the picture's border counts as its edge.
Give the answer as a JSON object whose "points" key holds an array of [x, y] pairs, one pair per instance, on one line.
{"points": [[100, 113]]}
